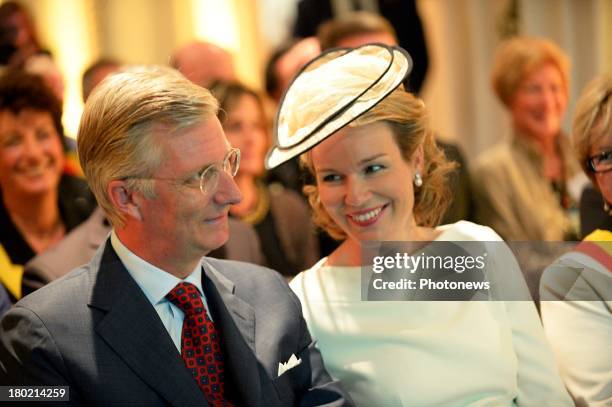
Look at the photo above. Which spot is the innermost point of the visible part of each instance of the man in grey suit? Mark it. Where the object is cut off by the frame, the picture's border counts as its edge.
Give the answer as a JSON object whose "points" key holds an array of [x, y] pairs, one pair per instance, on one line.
{"points": [[79, 246], [149, 321]]}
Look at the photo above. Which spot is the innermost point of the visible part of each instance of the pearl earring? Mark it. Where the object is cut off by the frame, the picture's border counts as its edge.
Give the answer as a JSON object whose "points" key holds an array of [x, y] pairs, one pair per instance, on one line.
{"points": [[418, 180], [607, 208]]}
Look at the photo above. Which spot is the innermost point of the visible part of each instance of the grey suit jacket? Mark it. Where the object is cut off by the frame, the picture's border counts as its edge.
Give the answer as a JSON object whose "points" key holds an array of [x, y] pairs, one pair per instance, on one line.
{"points": [[79, 246], [95, 331]]}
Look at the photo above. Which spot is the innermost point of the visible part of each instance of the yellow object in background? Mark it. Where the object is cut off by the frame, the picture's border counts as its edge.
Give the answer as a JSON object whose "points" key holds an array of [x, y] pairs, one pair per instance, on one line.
{"points": [[10, 274]]}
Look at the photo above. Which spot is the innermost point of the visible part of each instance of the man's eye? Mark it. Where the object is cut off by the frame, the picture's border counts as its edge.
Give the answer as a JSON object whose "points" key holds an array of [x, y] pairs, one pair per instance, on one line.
{"points": [[373, 168], [193, 180]]}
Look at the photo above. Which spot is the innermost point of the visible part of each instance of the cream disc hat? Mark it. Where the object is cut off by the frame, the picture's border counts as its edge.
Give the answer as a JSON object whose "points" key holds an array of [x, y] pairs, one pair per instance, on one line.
{"points": [[331, 91]]}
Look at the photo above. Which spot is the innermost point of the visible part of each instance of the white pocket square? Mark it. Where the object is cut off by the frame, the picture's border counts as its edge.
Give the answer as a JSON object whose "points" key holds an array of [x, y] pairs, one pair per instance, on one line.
{"points": [[290, 364]]}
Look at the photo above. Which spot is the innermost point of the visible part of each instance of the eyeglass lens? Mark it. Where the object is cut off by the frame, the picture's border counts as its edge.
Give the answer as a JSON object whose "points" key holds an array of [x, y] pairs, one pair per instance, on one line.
{"points": [[210, 176], [601, 162]]}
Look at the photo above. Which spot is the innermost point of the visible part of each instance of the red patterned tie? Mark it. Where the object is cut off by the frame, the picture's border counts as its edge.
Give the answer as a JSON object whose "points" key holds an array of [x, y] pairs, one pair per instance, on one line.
{"points": [[200, 344]]}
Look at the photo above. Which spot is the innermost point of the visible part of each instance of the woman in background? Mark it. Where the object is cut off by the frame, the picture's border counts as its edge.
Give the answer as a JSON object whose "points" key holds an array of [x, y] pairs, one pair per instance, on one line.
{"points": [[18, 39], [577, 289], [38, 202], [280, 216], [380, 177], [521, 185]]}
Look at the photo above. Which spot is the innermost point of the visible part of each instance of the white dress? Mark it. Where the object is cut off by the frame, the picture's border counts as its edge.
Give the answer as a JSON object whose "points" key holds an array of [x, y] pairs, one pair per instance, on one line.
{"points": [[476, 353]]}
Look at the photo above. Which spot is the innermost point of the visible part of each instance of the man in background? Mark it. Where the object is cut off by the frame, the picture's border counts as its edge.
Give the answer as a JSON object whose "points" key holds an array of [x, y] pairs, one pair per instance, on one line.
{"points": [[203, 63]]}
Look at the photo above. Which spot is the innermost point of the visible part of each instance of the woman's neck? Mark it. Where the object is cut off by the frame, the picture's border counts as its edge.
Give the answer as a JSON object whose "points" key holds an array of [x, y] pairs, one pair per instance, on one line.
{"points": [[37, 219], [349, 253], [552, 162], [248, 187]]}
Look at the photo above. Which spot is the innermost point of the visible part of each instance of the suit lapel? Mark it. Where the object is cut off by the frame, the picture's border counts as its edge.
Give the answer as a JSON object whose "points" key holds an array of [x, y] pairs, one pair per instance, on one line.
{"points": [[236, 321], [132, 328]]}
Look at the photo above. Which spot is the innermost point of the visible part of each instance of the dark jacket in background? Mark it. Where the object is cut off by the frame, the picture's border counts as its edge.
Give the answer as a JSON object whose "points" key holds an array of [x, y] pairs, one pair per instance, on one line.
{"points": [[592, 214], [403, 16]]}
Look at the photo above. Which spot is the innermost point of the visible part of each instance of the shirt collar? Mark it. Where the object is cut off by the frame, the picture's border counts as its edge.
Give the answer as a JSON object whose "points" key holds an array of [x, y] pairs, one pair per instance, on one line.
{"points": [[153, 281]]}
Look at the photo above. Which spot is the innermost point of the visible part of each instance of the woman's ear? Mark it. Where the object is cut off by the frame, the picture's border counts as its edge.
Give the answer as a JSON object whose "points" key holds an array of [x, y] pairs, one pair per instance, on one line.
{"points": [[126, 201], [418, 159]]}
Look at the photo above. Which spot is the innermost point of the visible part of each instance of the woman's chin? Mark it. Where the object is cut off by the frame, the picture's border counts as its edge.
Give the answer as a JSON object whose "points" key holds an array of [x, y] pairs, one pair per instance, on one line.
{"points": [[36, 186]]}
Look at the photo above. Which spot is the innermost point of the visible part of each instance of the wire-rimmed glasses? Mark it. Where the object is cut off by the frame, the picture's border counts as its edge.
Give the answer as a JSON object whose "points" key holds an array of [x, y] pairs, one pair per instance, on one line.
{"points": [[601, 162], [208, 179]]}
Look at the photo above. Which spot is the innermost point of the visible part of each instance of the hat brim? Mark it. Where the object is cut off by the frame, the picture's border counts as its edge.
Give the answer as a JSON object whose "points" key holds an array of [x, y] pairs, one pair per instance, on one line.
{"points": [[383, 79]]}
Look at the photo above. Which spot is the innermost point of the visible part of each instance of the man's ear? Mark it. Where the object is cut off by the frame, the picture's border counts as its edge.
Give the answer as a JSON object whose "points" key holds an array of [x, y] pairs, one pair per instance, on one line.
{"points": [[418, 159], [125, 200]]}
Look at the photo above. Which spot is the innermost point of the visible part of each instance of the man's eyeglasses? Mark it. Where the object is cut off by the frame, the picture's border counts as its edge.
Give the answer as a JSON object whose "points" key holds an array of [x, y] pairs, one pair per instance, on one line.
{"points": [[601, 162], [208, 179]]}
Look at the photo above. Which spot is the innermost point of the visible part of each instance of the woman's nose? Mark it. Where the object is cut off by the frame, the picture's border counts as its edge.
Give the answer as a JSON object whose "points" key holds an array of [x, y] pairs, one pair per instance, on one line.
{"points": [[357, 192], [32, 148]]}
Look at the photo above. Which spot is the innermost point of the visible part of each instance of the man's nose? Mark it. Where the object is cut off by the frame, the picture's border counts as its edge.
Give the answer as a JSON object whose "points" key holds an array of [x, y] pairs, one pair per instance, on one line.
{"points": [[357, 191], [227, 192]]}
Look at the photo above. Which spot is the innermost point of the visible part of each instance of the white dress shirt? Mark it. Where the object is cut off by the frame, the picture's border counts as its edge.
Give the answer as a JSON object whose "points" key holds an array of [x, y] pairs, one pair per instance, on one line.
{"points": [[155, 283]]}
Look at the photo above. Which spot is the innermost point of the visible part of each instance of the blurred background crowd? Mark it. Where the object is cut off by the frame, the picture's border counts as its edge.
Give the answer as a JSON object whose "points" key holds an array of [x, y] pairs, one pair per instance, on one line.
{"points": [[500, 79]]}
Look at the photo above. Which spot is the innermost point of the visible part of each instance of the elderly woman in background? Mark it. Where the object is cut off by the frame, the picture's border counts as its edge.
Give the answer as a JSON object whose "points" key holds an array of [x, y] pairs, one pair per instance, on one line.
{"points": [[577, 289], [380, 177], [280, 216], [38, 204], [521, 185]]}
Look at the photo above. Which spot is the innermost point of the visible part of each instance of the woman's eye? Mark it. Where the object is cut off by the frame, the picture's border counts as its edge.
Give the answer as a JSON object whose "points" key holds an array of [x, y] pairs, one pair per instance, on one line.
{"points": [[605, 156], [42, 135], [331, 178], [11, 140], [370, 169]]}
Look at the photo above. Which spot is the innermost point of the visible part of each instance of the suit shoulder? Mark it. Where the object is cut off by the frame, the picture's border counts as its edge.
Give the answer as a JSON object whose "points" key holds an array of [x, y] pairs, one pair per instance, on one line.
{"points": [[239, 271], [63, 293], [252, 281]]}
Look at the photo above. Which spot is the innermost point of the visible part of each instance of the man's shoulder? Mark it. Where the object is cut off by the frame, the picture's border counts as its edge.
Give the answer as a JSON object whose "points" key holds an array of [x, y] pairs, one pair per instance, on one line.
{"points": [[239, 272], [252, 282]]}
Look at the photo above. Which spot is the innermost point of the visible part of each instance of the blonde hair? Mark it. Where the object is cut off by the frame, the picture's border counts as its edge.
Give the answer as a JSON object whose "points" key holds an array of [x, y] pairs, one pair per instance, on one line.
{"points": [[520, 56], [122, 118], [592, 118], [407, 117]]}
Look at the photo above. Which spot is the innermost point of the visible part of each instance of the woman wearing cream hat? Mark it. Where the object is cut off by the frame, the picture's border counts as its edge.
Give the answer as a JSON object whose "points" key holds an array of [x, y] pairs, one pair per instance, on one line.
{"points": [[379, 177]]}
